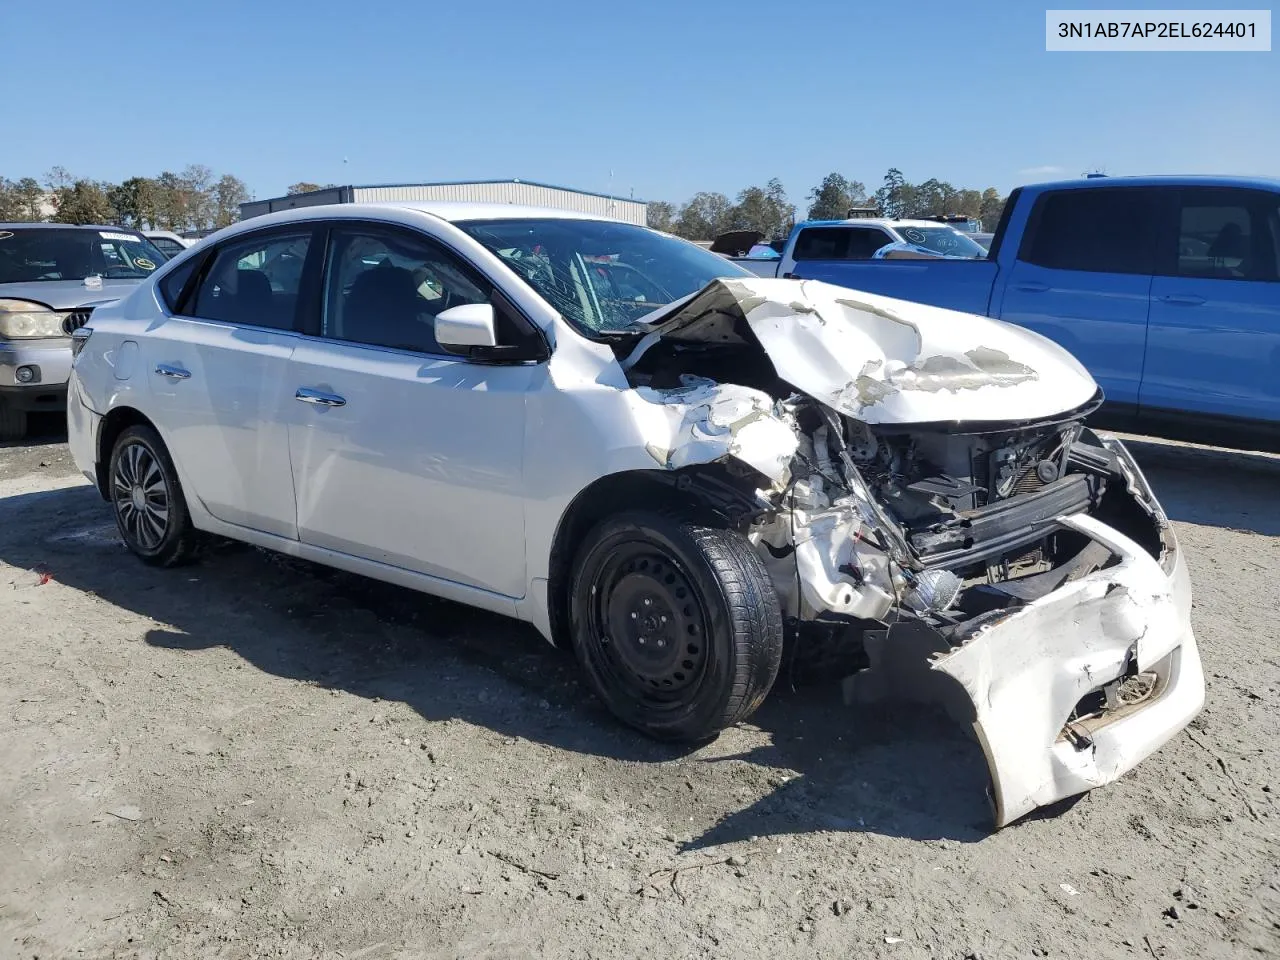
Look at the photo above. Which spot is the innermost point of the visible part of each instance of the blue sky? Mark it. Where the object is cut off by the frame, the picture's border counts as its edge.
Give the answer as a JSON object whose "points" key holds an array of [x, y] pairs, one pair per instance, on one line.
{"points": [[672, 97]]}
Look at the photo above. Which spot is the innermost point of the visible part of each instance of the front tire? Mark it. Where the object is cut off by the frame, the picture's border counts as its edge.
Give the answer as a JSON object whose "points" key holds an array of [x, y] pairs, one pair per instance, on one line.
{"points": [[13, 423], [146, 497], [676, 625]]}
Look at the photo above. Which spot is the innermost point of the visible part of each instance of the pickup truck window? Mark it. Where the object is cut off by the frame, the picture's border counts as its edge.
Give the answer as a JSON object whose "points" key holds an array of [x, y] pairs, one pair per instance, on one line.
{"points": [[943, 239], [839, 243], [1109, 230], [1228, 235]]}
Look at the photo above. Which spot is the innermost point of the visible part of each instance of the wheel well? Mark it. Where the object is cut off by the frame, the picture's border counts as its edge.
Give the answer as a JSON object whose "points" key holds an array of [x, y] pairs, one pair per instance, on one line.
{"points": [[113, 424], [707, 493]]}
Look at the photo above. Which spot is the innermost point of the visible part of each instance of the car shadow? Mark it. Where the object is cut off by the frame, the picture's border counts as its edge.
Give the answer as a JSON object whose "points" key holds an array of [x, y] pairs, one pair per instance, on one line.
{"points": [[900, 771], [1213, 487]]}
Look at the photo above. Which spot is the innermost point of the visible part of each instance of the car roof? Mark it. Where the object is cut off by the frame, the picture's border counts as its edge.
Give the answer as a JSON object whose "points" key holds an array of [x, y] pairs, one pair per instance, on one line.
{"points": [[27, 225], [405, 212], [451, 210], [1162, 180]]}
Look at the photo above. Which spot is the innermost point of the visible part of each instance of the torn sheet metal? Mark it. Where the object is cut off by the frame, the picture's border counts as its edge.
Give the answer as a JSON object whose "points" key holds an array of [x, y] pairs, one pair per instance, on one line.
{"points": [[810, 554], [705, 421], [880, 360], [1025, 673]]}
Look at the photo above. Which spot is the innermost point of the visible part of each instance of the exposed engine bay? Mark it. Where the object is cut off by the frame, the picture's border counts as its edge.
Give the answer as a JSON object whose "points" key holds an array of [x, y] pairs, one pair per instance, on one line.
{"points": [[940, 504]]}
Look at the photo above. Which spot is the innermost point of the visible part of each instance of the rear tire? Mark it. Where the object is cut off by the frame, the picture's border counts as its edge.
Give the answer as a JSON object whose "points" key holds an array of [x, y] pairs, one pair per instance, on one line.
{"points": [[13, 423], [677, 626], [146, 497]]}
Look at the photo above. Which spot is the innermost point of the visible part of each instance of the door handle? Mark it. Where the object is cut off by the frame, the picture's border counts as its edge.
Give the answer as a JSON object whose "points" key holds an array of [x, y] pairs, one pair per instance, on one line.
{"points": [[319, 397], [172, 372], [1184, 299], [1031, 287]]}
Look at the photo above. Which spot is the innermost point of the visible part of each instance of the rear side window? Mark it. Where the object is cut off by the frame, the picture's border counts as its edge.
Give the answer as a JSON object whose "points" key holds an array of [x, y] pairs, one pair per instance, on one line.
{"points": [[1228, 235], [254, 281], [839, 243], [1097, 231]]}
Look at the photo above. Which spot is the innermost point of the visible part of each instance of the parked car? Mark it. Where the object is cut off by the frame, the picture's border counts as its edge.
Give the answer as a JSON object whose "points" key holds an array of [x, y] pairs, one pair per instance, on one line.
{"points": [[859, 239], [1166, 288], [168, 242], [51, 278], [658, 459]]}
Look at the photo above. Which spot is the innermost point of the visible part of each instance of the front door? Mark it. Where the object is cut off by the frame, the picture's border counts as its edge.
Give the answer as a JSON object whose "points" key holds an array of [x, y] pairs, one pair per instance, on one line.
{"points": [[1082, 278], [1214, 341], [403, 454]]}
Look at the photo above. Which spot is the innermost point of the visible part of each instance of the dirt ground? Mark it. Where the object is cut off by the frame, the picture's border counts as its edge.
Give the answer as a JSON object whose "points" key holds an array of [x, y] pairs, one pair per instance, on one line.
{"points": [[257, 757]]}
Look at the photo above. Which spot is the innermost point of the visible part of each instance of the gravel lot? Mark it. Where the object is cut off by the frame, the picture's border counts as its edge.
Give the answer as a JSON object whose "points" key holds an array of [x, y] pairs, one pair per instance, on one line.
{"points": [[257, 757]]}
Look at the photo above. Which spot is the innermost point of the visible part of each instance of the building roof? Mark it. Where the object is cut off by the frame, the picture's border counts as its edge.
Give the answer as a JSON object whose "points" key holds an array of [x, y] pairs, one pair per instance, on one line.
{"points": [[459, 210], [463, 183]]}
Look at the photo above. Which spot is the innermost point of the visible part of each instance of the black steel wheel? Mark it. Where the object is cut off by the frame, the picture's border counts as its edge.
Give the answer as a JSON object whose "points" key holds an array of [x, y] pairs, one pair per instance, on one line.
{"points": [[677, 626], [146, 496]]}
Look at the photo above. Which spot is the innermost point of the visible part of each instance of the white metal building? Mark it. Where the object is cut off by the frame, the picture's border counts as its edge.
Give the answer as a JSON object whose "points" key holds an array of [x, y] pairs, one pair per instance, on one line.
{"points": [[479, 191]]}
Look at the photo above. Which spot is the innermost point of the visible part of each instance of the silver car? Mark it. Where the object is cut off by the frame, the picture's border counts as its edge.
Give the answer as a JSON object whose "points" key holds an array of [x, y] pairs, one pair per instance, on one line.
{"points": [[52, 275]]}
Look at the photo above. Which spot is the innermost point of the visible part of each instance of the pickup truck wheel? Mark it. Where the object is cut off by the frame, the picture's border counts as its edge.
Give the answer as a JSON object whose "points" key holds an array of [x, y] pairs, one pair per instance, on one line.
{"points": [[146, 496], [13, 423], [676, 625]]}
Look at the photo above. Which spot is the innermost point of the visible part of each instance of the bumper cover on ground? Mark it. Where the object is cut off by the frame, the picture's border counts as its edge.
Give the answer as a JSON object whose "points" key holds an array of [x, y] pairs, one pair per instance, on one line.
{"points": [[1018, 679], [1026, 673]]}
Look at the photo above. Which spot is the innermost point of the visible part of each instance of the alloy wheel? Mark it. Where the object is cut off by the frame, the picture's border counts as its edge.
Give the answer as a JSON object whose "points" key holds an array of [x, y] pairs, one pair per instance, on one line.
{"points": [[140, 493]]}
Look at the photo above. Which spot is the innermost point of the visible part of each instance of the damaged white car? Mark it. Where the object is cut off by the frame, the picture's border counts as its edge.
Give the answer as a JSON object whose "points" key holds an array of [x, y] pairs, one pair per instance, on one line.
{"points": [[662, 460]]}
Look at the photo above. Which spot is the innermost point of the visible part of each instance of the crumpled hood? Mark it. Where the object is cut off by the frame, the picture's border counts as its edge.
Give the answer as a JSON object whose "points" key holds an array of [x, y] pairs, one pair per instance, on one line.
{"points": [[880, 360], [68, 294]]}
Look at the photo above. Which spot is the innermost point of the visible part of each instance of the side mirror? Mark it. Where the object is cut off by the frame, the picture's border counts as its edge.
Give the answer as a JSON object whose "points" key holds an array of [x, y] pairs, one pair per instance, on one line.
{"points": [[464, 328]]}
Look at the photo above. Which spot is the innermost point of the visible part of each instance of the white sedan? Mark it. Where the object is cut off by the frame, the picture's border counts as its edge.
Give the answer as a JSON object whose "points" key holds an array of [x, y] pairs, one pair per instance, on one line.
{"points": [[662, 460]]}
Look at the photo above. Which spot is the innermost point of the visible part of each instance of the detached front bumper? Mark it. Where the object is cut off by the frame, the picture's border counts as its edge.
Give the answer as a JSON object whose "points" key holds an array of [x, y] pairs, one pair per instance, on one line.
{"points": [[48, 365], [1027, 674]]}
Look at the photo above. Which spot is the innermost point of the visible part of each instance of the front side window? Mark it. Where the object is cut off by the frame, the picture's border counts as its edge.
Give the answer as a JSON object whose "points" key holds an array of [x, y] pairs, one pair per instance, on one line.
{"points": [[1099, 231], [864, 242], [600, 275], [385, 288], [1228, 235], [32, 255], [255, 281]]}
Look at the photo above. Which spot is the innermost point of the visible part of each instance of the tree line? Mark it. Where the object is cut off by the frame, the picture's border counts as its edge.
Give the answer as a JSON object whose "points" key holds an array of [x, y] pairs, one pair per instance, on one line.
{"points": [[196, 199], [767, 210]]}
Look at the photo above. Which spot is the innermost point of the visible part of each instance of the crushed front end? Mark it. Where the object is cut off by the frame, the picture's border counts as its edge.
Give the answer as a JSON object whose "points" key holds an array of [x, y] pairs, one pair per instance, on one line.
{"points": [[927, 493], [1027, 579]]}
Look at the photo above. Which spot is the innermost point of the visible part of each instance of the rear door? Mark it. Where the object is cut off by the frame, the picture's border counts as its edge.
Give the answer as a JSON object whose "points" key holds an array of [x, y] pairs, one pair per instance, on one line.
{"points": [[1214, 340], [1082, 277], [218, 368]]}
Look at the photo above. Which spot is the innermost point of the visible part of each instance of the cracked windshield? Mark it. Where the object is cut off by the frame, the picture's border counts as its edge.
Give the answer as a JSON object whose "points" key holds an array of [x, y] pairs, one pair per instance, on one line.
{"points": [[601, 276]]}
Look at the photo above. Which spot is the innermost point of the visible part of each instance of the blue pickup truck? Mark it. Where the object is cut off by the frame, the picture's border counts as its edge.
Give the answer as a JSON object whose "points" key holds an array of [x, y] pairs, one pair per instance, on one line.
{"points": [[1166, 288]]}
